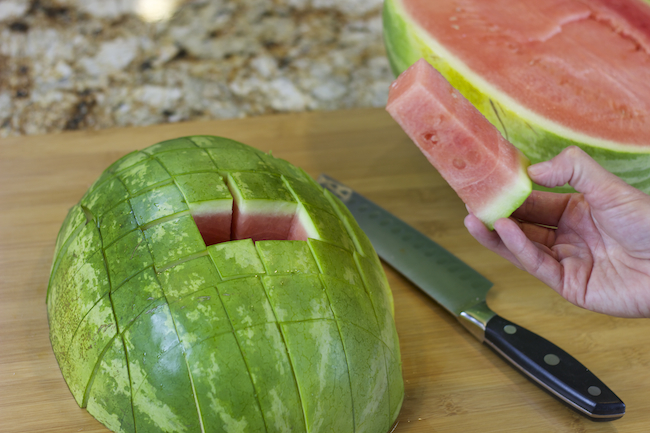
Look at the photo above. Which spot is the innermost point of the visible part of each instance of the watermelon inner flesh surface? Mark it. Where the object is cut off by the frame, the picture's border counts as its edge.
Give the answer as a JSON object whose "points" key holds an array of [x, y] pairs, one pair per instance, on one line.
{"points": [[261, 226], [213, 220]]}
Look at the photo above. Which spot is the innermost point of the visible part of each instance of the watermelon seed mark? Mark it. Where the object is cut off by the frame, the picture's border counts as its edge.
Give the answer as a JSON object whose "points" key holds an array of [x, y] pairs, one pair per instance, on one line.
{"points": [[431, 137], [459, 163], [505, 131]]}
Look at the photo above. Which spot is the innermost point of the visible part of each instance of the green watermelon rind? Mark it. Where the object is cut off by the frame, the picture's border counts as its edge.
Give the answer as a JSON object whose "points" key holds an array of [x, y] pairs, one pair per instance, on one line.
{"points": [[510, 198], [539, 138], [143, 267]]}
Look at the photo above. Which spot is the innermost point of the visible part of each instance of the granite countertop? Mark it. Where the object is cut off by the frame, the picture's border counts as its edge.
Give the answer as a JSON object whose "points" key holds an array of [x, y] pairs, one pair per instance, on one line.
{"points": [[91, 64]]}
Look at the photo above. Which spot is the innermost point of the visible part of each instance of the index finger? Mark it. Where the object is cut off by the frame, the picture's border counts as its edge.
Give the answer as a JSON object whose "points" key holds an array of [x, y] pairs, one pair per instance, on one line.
{"points": [[543, 207]]}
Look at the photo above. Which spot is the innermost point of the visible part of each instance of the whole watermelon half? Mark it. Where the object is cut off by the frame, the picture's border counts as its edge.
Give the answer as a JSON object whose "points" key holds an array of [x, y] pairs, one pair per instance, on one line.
{"points": [[203, 285], [547, 74]]}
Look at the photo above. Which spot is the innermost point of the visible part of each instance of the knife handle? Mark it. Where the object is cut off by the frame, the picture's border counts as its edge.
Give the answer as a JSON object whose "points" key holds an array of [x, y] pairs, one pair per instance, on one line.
{"points": [[553, 369]]}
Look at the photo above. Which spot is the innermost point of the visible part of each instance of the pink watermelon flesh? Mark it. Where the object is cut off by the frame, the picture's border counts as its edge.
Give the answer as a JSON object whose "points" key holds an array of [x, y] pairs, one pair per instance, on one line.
{"points": [[261, 226], [547, 44], [465, 148], [298, 231], [214, 227]]}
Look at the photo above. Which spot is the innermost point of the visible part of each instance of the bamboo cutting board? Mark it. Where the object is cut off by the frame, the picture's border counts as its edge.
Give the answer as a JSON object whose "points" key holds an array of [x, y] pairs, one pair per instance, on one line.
{"points": [[453, 383]]}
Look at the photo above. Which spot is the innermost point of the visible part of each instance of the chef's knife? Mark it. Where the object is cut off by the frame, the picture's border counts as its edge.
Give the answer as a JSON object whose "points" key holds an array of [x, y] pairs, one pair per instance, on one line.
{"points": [[462, 291]]}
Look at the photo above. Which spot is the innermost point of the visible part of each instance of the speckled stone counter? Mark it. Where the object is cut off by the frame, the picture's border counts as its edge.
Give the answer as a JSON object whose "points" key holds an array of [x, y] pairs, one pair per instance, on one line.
{"points": [[90, 64]]}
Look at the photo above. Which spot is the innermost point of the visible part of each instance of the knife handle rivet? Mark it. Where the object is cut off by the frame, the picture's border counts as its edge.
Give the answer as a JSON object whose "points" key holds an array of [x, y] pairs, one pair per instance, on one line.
{"points": [[510, 329], [594, 390], [551, 359]]}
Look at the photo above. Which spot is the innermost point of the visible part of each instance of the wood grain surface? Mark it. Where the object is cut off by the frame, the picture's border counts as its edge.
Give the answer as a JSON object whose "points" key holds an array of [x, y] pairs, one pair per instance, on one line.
{"points": [[453, 383]]}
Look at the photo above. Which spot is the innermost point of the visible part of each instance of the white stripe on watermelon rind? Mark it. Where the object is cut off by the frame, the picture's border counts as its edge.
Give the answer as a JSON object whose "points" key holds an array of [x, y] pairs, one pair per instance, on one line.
{"points": [[307, 224], [270, 207], [211, 207]]}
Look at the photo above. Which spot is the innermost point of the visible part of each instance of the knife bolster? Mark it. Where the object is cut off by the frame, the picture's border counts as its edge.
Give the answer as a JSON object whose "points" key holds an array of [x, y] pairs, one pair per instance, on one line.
{"points": [[475, 319]]}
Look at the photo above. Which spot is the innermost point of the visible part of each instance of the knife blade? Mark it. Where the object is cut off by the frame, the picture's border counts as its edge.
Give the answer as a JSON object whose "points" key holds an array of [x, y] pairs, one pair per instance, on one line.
{"points": [[462, 291]]}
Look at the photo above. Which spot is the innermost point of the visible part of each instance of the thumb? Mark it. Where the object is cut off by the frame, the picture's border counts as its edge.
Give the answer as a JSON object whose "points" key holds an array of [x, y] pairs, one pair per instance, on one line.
{"points": [[575, 167]]}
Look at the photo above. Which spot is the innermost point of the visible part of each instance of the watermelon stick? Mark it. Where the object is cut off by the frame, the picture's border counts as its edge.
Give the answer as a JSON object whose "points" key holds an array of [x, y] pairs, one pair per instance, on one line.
{"points": [[487, 172]]}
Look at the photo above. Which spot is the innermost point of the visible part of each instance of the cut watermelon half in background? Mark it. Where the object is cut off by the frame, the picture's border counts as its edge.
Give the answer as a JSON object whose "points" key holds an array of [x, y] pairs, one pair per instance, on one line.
{"points": [[547, 73], [488, 173]]}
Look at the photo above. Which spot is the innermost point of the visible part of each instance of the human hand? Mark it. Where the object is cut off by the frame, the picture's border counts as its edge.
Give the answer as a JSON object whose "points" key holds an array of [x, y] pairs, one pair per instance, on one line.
{"points": [[592, 247]]}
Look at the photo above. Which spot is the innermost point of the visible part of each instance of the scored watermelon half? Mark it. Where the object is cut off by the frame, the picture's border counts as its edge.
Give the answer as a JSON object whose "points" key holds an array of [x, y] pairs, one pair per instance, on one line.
{"points": [[547, 73], [488, 173], [201, 285]]}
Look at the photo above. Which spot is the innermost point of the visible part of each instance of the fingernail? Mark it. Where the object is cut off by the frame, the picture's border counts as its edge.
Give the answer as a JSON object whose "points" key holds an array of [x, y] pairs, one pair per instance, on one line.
{"points": [[539, 168]]}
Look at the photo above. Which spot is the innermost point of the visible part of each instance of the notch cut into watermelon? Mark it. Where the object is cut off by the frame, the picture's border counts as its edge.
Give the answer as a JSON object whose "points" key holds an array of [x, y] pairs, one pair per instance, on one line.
{"points": [[259, 207]]}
